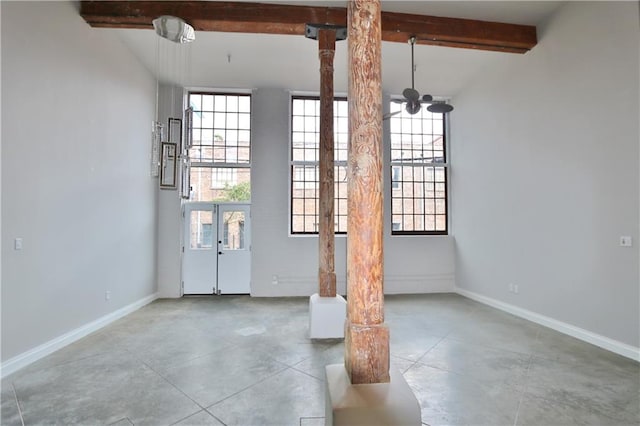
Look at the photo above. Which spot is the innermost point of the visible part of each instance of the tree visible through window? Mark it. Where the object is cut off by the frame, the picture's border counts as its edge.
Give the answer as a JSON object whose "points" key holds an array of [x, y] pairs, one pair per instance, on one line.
{"points": [[418, 172], [305, 140]]}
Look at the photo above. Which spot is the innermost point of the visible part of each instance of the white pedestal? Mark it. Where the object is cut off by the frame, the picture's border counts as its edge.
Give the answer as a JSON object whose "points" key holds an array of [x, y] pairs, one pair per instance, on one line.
{"points": [[326, 317], [390, 403]]}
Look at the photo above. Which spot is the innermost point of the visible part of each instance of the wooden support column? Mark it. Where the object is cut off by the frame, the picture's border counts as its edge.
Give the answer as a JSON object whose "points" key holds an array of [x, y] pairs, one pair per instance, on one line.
{"points": [[326, 218], [366, 335]]}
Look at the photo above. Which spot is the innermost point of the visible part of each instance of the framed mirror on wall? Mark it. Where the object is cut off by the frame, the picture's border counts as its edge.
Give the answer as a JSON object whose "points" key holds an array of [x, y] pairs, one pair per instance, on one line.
{"points": [[185, 183], [175, 131], [157, 135], [168, 165], [188, 128]]}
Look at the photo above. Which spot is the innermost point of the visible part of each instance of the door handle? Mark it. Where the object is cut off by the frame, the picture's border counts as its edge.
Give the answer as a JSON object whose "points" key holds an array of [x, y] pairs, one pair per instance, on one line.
{"points": [[220, 252]]}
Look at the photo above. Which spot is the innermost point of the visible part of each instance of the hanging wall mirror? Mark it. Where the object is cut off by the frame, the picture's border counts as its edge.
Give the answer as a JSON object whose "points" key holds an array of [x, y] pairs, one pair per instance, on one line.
{"points": [[168, 165]]}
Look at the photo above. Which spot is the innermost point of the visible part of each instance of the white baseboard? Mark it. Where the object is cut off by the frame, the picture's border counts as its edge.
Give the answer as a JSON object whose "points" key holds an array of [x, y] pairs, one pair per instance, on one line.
{"points": [[615, 346], [20, 361]]}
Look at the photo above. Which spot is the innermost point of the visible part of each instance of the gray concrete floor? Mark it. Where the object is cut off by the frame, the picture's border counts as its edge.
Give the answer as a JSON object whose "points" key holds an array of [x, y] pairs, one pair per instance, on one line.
{"points": [[243, 361]]}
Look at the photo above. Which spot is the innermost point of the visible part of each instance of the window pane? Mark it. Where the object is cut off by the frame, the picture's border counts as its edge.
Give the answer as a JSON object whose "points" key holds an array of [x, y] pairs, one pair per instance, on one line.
{"points": [[206, 137], [219, 120], [233, 230], [207, 120], [244, 121], [244, 104], [201, 229], [195, 101], [220, 102], [232, 121], [207, 103], [232, 103]]}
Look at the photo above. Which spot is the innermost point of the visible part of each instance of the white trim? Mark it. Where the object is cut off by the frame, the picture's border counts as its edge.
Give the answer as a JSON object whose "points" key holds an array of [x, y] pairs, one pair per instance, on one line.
{"points": [[20, 361], [563, 327]]}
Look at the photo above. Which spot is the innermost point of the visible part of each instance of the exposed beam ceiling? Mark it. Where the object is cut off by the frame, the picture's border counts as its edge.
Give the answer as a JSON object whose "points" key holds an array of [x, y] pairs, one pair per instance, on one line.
{"points": [[286, 19]]}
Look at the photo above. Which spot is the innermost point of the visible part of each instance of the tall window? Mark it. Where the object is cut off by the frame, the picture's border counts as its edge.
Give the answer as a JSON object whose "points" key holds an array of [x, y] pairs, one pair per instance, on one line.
{"points": [[305, 140], [418, 172], [221, 150]]}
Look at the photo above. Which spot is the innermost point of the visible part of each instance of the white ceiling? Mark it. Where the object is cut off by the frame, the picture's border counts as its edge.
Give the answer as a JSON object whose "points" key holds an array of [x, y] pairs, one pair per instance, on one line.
{"points": [[232, 60]]}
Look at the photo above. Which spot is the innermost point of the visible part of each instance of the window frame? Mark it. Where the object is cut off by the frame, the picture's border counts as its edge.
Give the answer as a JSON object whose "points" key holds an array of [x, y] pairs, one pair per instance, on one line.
{"points": [[444, 165], [213, 164], [294, 185]]}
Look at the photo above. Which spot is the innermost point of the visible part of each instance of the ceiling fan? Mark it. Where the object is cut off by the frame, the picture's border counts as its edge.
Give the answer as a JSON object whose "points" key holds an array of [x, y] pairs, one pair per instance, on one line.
{"points": [[412, 97]]}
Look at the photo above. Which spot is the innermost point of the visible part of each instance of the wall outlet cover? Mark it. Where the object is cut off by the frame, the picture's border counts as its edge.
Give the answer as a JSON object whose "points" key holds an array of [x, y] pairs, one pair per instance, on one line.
{"points": [[626, 241]]}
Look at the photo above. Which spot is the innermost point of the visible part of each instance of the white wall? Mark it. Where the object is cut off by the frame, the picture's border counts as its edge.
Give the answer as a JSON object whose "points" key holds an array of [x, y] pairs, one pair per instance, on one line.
{"points": [[415, 264], [169, 212], [294, 260], [545, 178], [76, 113]]}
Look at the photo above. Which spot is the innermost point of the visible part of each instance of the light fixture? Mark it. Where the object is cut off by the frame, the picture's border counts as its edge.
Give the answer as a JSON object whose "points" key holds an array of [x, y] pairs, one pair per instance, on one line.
{"points": [[174, 29], [412, 97], [172, 59]]}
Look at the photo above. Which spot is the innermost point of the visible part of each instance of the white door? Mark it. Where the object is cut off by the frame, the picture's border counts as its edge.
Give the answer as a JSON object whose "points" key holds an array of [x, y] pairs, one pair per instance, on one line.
{"points": [[234, 248], [216, 255], [199, 259]]}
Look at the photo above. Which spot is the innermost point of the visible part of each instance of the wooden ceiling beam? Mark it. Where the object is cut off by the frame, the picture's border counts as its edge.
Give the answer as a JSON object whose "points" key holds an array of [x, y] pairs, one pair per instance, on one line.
{"points": [[264, 18]]}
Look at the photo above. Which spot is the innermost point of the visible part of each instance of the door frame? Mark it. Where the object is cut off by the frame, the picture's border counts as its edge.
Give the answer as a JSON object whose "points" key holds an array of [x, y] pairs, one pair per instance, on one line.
{"points": [[214, 205]]}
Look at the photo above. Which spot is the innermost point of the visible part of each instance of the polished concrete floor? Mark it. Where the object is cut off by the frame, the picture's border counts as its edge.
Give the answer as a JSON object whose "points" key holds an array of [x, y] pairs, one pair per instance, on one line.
{"points": [[243, 361]]}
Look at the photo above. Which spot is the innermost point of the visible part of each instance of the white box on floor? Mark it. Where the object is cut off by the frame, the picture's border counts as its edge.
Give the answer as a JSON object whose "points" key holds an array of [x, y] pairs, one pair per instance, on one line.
{"points": [[326, 317], [375, 404]]}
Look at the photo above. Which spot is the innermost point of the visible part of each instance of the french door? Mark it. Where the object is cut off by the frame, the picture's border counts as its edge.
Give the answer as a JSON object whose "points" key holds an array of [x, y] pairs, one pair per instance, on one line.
{"points": [[216, 248]]}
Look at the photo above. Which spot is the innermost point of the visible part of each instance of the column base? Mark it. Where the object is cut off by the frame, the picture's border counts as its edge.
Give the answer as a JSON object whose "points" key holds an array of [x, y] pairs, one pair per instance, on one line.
{"points": [[326, 317], [375, 404]]}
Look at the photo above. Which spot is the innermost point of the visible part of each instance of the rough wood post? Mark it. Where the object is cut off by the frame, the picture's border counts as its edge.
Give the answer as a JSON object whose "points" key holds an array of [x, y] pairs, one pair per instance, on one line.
{"points": [[366, 335], [326, 221]]}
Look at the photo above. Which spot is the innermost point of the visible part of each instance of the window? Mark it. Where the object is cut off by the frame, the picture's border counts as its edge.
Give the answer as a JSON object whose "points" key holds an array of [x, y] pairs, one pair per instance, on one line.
{"points": [[305, 140], [395, 177], [207, 235], [418, 172], [201, 232], [233, 230], [220, 154], [223, 177]]}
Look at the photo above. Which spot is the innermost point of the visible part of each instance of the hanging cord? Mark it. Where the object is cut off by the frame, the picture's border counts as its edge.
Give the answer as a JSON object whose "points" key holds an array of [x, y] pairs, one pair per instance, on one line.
{"points": [[413, 67], [157, 79], [173, 80]]}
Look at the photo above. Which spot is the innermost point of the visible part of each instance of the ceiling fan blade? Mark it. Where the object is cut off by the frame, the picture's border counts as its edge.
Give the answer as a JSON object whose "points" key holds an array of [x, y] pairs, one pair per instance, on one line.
{"points": [[440, 107], [427, 98], [411, 94], [413, 107], [398, 101], [390, 114]]}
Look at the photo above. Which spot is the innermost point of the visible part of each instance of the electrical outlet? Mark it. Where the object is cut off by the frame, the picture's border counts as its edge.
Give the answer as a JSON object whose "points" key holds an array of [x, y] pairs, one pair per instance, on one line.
{"points": [[274, 280], [516, 290], [17, 244], [626, 241], [107, 295]]}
